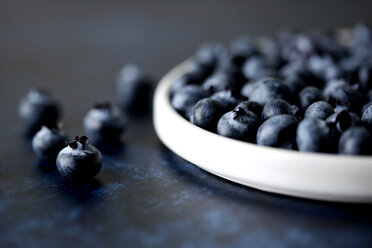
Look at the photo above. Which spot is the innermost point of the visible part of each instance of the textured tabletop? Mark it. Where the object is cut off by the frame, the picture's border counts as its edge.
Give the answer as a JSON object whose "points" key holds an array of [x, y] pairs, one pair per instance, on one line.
{"points": [[145, 196]]}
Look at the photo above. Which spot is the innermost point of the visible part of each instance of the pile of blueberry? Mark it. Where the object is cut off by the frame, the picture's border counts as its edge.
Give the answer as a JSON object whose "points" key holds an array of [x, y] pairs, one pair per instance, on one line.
{"points": [[307, 91], [78, 160]]}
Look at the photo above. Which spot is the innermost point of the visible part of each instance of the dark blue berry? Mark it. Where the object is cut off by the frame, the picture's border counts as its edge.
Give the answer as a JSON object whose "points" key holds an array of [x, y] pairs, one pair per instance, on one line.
{"points": [[227, 98], [238, 124], [342, 93], [320, 110], [184, 99], [206, 114], [367, 116], [356, 141], [79, 160], [309, 95], [278, 131], [278, 107], [251, 106], [104, 124], [343, 120], [220, 81], [256, 68]]}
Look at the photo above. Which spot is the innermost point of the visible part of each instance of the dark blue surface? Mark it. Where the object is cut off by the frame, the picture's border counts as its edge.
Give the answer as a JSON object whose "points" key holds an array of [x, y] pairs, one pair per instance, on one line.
{"points": [[145, 196]]}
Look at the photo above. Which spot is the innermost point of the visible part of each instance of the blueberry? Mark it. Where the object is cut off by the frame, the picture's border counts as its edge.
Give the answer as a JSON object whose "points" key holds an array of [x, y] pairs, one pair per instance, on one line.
{"points": [[251, 106], [294, 84], [227, 98], [208, 54], [270, 50], [320, 110], [38, 108], [219, 81], [309, 95], [278, 107], [133, 89], [238, 124], [299, 71], [314, 135], [365, 77], [297, 47], [241, 49], [365, 106], [104, 123], [48, 142], [341, 92], [79, 161], [318, 65], [343, 120], [185, 98], [206, 114], [256, 68], [265, 90], [356, 141], [367, 116], [278, 131]]}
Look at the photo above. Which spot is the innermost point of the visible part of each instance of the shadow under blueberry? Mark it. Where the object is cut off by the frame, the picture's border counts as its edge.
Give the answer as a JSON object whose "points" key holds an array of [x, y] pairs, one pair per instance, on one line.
{"points": [[304, 208], [83, 192]]}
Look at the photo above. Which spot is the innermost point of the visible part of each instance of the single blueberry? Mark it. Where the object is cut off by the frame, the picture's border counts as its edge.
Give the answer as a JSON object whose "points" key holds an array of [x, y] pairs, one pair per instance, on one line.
{"points": [[207, 113], [343, 120], [238, 124], [320, 110], [250, 106], [277, 131], [278, 107], [265, 90], [38, 108], [355, 141], [367, 116], [314, 135], [133, 88], [342, 93], [227, 98], [104, 123], [241, 49], [185, 98], [48, 142], [308, 96], [220, 81], [294, 84], [208, 54], [79, 160]]}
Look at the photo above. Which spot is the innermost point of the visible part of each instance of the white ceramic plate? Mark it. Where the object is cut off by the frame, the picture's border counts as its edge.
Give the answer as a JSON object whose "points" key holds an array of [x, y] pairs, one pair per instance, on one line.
{"points": [[308, 175]]}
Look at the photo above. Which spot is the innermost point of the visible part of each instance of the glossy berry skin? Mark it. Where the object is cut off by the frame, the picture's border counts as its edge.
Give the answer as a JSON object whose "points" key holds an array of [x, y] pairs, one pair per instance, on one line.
{"points": [[313, 135], [278, 131], [220, 81], [238, 124], [38, 108], [278, 107], [133, 87], [308, 96], [79, 161], [206, 114], [321, 110], [48, 142], [250, 106], [367, 116], [355, 141], [104, 124], [227, 99], [185, 98], [265, 90]]}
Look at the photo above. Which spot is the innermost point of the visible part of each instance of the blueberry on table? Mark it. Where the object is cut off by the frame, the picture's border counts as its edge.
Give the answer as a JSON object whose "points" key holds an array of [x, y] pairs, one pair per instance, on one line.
{"points": [[48, 142], [184, 99], [278, 131], [133, 89], [321, 110], [278, 107], [206, 114], [314, 135], [79, 161], [238, 124], [227, 98], [308, 96], [355, 141], [265, 90], [250, 106], [38, 108], [104, 123]]}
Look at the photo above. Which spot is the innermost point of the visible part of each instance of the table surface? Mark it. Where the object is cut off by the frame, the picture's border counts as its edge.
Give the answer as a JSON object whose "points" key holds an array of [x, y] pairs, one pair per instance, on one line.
{"points": [[145, 196]]}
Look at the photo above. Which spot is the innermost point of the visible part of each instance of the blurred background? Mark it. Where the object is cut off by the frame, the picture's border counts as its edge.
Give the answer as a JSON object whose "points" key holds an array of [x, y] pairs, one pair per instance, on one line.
{"points": [[147, 197]]}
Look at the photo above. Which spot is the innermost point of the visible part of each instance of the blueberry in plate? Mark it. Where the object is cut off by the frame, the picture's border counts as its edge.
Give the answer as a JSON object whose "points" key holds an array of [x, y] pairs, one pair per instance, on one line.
{"points": [[48, 142], [278, 131], [38, 108], [219, 81], [238, 124], [227, 98], [321, 110], [241, 49], [79, 161], [104, 123], [250, 106], [343, 120], [294, 84], [314, 135], [206, 114], [184, 99], [367, 116], [309, 95], [255, 68], [278, 107], [355, 141], [266, 89], [133, 88]]}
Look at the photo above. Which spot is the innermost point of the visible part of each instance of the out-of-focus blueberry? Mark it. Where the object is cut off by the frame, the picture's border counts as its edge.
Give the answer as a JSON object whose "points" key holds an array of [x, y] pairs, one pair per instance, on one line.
{"points": [[355, 141], [309, 95]]}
